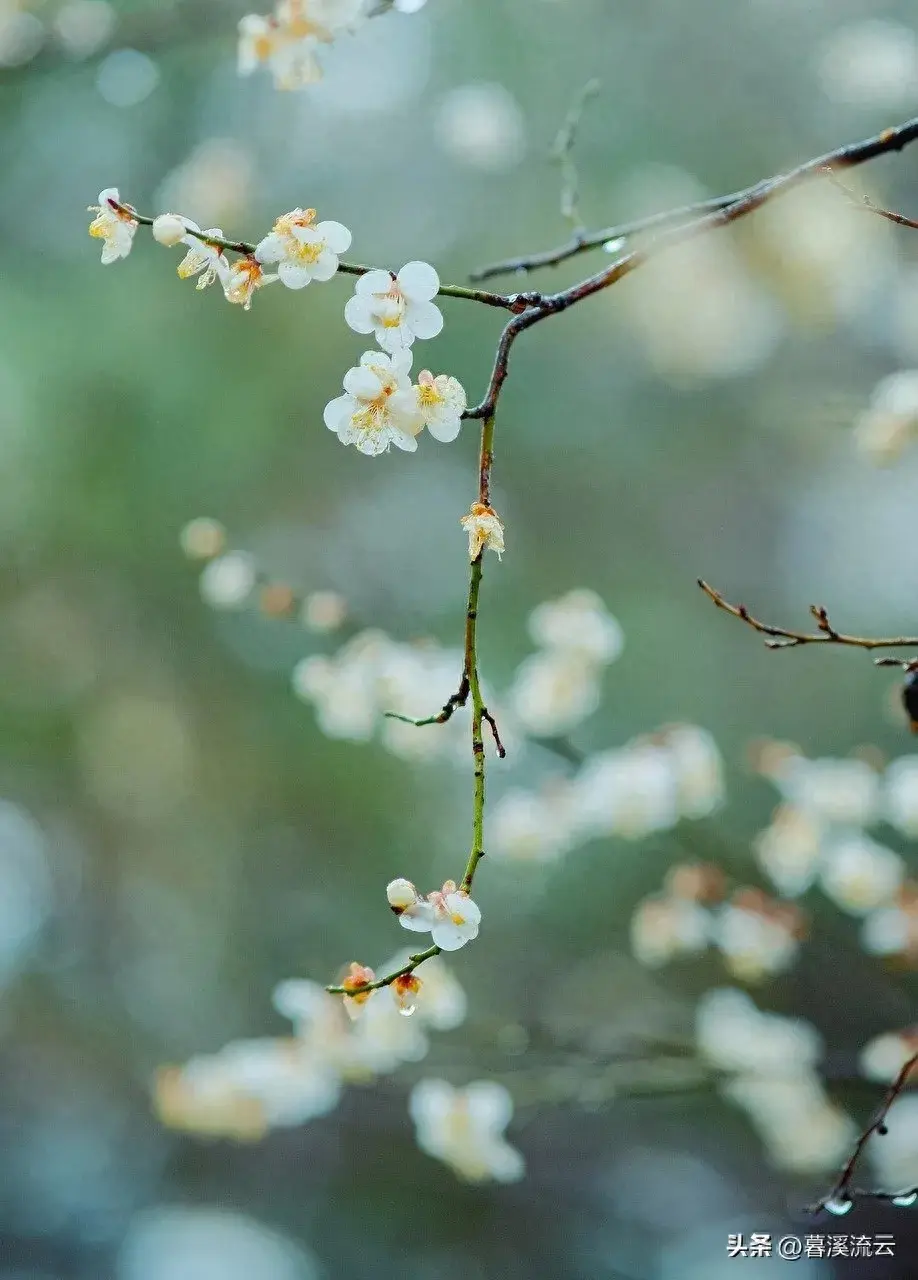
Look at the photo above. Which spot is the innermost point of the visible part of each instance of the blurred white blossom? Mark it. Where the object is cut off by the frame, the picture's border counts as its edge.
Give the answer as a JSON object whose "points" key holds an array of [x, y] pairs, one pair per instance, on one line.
{"points": [[465, 1129], [228, 581], [789, 849], [883, 1057], [553, 691], [900, 795], [664, 926], [889, 424], [578, 623], [859, 874], [756, 935]]}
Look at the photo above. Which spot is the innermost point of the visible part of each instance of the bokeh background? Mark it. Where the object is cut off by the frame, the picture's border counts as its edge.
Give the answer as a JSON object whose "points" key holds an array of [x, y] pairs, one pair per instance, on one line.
{"points": [[177, 835]]}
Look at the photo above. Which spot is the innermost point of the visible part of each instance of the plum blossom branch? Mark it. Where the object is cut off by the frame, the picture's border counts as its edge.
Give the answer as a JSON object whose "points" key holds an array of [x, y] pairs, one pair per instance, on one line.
{"points": [[847, 157], [842, 1195], [506, 302], [364, 988], [783, 638]]}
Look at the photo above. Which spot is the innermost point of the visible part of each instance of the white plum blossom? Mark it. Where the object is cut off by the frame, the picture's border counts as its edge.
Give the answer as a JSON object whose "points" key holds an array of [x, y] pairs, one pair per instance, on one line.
{"points": [[246, 1088], [664, 926], [578, 622], [396, 309], [465, 1129], [206, 261], [890, 423], [287, 42], [789, 849], [449, 915], [630, 791], [485, 530], [534, 827], [203, 538], [803, 1131], [378, 408], [303, 249], [242, 279], [756, 936], [228, 581], [892, 930], [734, 1035], [900, 795], [441, 402], [554, 691], [859, 874], [883, 1057], [698, 768], [114, 225], [846, 792]]}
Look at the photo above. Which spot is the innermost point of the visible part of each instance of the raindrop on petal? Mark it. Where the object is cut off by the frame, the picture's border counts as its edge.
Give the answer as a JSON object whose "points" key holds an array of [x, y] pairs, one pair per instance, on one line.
{"points": [[839, 1206], [905, 1199]]}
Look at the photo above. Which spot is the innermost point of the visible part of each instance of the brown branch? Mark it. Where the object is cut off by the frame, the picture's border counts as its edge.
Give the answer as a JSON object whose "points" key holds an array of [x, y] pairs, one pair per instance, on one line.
{"points": [[562, 153], [717, 214], [783, 638], [893, 139], [843, 1194]]}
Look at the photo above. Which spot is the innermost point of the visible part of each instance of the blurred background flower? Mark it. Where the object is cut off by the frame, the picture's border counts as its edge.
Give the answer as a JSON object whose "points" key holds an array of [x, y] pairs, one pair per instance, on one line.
{"points": [[180, 832]]}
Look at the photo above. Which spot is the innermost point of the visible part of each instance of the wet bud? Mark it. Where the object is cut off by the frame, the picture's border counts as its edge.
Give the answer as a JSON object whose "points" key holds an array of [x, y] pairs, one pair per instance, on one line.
{"points": [[169, 229], [401, 894]]}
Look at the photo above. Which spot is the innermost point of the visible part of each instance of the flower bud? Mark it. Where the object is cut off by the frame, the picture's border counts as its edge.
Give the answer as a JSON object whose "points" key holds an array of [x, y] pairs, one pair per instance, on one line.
{"points": [[169, 229], [401, 895]]}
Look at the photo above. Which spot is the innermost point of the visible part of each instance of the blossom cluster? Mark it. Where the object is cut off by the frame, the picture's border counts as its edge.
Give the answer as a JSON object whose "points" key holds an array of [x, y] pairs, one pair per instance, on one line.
{"points": [[449, 915], [817, 839], [380, 405], [288, 40], [756, 935], [251, 1086], [649, 784]]}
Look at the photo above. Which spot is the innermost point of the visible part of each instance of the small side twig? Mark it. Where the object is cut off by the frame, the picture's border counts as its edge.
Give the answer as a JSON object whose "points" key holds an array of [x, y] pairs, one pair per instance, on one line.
{"points": [[864, 202], [842, 1195], [562, 153], [784, 638]]}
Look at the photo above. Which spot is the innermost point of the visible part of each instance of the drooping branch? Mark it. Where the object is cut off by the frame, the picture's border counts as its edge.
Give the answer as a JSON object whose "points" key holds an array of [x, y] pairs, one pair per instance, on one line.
{"points": [[847, 157], [843, 1194], [784, 638]]}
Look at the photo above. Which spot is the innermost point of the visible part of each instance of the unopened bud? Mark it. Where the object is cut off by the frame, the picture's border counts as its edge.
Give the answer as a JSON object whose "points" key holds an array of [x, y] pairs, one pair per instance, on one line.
{"points": [[401, 895], [169, 229]]}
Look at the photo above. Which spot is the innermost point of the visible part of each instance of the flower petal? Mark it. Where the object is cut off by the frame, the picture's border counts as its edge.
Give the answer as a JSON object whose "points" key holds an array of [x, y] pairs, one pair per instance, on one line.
{"points": [[362, 383], [326, 266], [357, 314], [337, 410], [424, 319], [418, 281], [376, 281], [444, 426], [293, 276], [404, 442], [271, 248], [335, 235]]}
